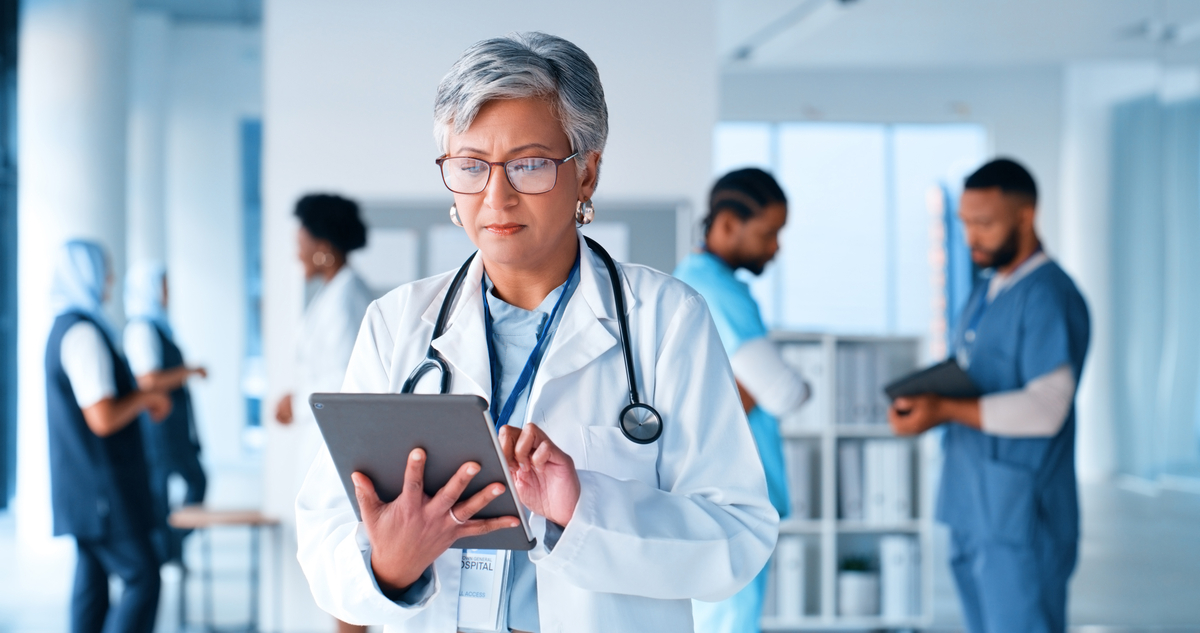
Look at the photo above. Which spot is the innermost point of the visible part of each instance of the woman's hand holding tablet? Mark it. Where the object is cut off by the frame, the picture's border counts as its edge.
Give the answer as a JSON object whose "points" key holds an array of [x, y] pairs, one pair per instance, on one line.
{"points": [[410, 532], [542, 473]]}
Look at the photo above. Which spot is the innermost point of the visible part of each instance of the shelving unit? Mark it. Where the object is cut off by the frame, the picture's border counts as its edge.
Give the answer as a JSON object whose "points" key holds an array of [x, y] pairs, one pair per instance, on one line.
{"points": [[823, 424]]}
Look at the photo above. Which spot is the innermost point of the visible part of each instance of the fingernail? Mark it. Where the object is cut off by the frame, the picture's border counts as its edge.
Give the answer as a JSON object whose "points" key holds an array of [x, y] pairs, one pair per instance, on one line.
{"points": [[497, 491], [415, 455], [471, 470]]}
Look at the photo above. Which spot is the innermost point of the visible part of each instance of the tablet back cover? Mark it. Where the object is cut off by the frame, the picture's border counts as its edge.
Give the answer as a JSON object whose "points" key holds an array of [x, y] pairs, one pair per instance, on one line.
{"points": [[374, 433], [945, 379]]}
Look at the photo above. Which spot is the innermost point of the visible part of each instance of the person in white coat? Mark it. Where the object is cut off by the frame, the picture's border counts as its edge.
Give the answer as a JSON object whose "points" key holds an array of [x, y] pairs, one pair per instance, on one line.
{"points": [[330, 228], [630, 526]]}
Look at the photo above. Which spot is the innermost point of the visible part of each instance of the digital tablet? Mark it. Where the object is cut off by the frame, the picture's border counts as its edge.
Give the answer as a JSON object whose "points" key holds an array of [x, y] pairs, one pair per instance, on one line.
{"points": [[945, 379], [374, 433]]}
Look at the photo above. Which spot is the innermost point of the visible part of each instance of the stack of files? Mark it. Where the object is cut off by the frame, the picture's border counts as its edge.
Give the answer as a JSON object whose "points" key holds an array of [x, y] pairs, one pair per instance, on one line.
{"points": [[875, 482], [900, 577], [798, 455], [887, 481], [808, 359], [850, 480], [862, 370], [789, 578]]}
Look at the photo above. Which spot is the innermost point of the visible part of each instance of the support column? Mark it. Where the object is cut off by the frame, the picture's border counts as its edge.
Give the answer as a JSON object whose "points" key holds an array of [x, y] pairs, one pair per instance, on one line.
{"points": [[149, 45], [73, 63]]}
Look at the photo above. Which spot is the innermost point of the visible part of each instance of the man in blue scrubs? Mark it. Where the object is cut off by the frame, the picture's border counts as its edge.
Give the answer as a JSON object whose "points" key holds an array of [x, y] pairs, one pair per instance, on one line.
{"points": [[1008, 490], [747, 209]]}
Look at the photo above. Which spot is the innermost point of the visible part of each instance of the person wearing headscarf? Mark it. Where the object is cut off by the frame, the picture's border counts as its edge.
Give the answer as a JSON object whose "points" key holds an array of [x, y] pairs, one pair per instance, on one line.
{"points": [[172, 446], [99, 487], [330, 228]]}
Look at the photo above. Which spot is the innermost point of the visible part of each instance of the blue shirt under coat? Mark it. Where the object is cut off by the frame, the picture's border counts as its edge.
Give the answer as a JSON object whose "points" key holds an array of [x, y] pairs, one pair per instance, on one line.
{"points": [[739, 321], [514, 335], [1002, 489]]}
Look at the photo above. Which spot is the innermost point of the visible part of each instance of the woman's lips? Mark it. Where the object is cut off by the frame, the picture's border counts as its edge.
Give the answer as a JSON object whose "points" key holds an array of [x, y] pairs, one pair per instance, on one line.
{"points": [[504, 229]]}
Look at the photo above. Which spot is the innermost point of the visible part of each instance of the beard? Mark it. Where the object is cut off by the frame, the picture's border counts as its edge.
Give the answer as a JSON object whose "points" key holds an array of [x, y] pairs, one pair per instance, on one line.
{"points": [[755, 268], [1005, 254]]}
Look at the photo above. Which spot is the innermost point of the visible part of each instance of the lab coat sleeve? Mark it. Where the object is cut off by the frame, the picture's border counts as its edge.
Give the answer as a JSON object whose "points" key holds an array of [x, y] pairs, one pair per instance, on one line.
{"points": [[708, 527], [334, 551]]}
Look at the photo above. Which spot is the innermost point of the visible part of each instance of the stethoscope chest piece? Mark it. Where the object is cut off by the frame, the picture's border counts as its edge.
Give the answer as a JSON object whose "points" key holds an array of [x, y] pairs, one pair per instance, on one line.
{"points": [[641, 423]]}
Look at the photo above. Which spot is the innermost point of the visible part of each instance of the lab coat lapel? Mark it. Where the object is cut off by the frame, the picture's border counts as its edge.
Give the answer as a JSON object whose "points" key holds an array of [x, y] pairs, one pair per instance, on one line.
{"points": [[464, 343], [582, 335]]}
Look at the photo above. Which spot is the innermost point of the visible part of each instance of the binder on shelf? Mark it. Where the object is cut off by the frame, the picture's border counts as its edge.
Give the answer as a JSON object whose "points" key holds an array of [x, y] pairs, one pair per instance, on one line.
{"points": [[789, 578], [900, 575], [801, 479], [850, 480], [888, 483]]}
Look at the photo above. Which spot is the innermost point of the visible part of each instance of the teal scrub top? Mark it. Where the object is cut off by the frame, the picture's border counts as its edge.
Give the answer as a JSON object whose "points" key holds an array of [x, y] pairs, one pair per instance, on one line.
{"points": [[739, 321]]}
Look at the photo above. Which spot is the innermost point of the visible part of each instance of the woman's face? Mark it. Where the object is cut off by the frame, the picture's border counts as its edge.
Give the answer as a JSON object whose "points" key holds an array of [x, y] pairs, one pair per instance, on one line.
{"points": [[307, 246], [509, 228]]}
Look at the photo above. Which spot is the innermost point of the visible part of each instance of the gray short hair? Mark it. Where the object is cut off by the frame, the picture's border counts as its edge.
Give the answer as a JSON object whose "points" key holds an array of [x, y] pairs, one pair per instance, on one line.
{"points": [[526, 65]]}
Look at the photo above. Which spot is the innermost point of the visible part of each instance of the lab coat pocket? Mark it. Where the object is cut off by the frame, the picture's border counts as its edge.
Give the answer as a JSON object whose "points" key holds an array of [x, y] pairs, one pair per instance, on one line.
{"points": [[608, 451], [1009, 502]]}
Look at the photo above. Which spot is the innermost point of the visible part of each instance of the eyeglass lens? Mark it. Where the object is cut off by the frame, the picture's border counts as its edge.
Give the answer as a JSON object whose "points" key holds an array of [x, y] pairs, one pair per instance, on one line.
{"points": [[526, 175]]}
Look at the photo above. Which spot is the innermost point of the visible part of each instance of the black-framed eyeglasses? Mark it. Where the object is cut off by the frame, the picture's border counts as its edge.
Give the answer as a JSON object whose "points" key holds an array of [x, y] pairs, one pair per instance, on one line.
{"points": [[526, 175]]}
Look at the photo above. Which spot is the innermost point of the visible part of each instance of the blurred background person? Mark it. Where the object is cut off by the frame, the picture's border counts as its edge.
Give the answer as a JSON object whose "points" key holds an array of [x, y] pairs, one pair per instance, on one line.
{"points": [[99, 485], [330, 228], [172, 446], [747, 210], [1008, 491]]}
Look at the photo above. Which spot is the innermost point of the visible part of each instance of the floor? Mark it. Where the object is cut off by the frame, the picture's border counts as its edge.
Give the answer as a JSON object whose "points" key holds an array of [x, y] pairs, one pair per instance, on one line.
{"points": [[1139, 570]]}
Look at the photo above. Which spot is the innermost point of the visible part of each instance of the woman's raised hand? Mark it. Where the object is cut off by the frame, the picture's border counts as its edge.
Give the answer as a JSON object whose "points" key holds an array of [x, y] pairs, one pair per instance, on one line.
{"points": [[410, 532], [542, 473]]}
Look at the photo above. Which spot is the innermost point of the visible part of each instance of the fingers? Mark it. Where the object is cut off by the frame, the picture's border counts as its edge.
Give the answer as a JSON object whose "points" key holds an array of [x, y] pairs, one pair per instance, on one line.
{"points": [[478, 501], [475, 527], [508, 445], [450, 493], [414, 478], [368, 500], [530, 437]]}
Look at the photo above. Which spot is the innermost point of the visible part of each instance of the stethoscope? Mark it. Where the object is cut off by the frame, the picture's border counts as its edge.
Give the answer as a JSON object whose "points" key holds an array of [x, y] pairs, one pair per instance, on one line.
{"points": [[639, 421]]}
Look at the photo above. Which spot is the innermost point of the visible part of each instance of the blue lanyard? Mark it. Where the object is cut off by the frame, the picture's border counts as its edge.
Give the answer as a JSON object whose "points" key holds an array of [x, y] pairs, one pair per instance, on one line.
{"points": [[500, 417]]}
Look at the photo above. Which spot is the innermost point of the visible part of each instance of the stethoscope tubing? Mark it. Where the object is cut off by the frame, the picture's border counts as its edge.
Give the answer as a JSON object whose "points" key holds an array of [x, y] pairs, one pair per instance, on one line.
{"points": [[640, 432]]}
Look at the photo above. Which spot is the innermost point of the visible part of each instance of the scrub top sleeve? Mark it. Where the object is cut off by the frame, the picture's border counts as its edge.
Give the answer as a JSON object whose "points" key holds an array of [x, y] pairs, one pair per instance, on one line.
{"points": [[1045, 343], [142, 348], [88, 363], [737, 319]]}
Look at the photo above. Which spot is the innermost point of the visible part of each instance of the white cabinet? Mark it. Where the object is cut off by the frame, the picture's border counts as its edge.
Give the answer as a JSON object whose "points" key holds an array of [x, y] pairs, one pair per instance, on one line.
{"points": [[861, 496]]}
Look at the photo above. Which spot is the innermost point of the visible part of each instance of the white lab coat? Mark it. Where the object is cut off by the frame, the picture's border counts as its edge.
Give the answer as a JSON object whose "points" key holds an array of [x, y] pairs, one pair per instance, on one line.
{"points": [[323, 347], [656, 525]]}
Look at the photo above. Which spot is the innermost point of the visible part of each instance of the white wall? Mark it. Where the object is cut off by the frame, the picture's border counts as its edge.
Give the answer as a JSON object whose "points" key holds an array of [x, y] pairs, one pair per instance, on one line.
{"points": [[214, 82], [1021, 108]]}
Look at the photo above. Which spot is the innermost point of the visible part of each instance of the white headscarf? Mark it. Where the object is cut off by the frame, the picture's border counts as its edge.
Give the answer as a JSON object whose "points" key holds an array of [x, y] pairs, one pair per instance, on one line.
{"points": [[80, 275], [144, 295]]}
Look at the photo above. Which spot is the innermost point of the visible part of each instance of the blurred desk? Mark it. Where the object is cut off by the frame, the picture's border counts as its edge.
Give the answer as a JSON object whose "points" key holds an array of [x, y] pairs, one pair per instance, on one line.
{"points": [[203, 520]]}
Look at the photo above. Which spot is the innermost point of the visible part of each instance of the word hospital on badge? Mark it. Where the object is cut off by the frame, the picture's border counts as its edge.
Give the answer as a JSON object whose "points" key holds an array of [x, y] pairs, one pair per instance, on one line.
{"points": [[482, 599]]}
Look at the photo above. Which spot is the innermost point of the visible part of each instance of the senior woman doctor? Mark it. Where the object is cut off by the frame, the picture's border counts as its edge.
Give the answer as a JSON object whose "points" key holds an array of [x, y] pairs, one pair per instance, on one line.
{"points": [[627, 532]]}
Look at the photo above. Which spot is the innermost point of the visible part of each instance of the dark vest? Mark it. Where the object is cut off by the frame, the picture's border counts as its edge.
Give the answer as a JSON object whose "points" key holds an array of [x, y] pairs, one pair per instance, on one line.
{"points": [[98, 486], [173, 440]]}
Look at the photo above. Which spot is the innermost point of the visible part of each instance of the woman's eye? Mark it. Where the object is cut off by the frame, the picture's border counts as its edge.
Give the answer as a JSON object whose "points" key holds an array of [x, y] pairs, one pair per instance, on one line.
{"points": [[527, 165]]}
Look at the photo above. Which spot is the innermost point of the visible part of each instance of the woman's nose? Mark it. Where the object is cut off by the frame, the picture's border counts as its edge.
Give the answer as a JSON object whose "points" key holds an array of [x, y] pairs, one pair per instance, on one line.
{"points": [[499, 193]]}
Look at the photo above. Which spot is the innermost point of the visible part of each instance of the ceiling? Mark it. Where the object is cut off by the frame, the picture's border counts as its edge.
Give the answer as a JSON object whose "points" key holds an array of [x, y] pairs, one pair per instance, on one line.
{"points": [[761, 34]]}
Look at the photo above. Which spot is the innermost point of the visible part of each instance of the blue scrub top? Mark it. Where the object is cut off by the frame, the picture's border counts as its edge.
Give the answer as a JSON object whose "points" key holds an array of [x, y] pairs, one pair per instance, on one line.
{"points": [[738, 321], [1002, 489]]}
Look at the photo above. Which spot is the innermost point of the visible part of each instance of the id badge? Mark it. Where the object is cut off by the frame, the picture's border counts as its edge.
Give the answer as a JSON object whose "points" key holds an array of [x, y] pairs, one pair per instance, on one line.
{"points": [[482, 595]]}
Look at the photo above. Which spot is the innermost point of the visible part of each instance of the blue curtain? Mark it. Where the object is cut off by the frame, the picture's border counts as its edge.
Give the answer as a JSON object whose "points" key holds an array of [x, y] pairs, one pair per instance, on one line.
{"points": [[1155, 220]]}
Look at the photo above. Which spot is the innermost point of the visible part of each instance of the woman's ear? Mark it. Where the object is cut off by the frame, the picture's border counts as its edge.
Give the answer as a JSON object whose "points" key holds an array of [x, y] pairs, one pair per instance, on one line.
{"points": [[591, 174]]}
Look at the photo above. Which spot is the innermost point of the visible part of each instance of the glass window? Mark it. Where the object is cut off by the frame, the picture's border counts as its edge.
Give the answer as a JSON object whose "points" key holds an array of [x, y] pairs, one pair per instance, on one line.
{"points": [[864, 248]]}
